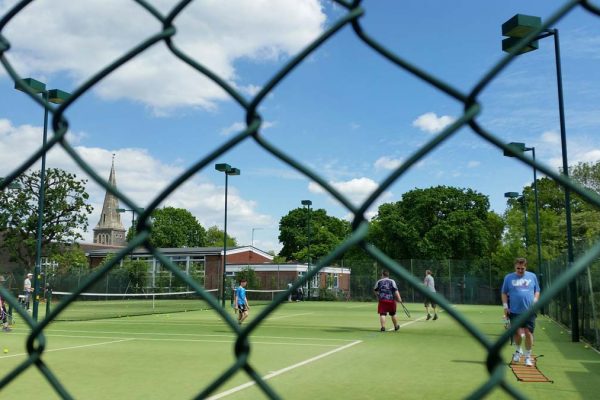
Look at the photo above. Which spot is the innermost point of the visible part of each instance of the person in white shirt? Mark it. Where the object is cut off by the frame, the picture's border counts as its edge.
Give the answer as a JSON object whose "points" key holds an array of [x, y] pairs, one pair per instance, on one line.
{"points": [[430, 284], [27, 290]]}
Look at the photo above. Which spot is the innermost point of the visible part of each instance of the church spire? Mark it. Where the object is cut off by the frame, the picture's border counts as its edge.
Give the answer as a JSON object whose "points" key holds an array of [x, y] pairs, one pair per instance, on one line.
{"points": [[110, 230]]}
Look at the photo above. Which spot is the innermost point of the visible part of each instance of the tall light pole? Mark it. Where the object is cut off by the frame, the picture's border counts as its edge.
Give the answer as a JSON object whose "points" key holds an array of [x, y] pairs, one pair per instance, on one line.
{"points": [[520, 147], [521, 199], [228, 170], [516, 29], [55, 96], [308, 203]]}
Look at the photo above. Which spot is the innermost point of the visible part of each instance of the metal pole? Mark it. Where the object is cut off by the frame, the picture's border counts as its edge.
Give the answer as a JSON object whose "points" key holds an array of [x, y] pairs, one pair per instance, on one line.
{"points": [[565, 165], [132, 234], [41, 199], [526, 224], [308, 265], [224, 245], [538, 233]]}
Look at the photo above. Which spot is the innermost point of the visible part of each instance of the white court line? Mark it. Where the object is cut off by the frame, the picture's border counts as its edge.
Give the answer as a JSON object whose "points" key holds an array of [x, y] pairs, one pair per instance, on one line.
{"points": [[412, 322], [72, 347], [255, 340], [289, 316], [408, 323], [363, 305], [52, 332], [281, 371]]}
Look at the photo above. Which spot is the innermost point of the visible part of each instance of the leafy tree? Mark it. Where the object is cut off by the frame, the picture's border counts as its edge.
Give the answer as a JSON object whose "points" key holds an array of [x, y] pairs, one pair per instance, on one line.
{"points": [[585, 217], [66, 209], [437, 223], [214, 238], [70, 260], [250, 275], [176, 227], [137, 272], [277, 259], [326, 233], [587, 174]]}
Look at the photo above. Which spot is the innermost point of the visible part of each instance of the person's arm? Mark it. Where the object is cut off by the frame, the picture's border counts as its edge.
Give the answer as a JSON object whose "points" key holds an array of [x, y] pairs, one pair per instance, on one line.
{"points": [[536, 294], [235, 300], [504, 297], [398, 297]]}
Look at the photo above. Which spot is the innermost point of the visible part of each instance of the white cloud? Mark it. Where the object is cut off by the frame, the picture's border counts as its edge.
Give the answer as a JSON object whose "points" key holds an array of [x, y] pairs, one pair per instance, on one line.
{"points": [[431, 123], [473, 164], [81, 38], [237, 127], [551, 137], [387, 163], [590, 156], [141, 177], [356, 190], [250, 90]]}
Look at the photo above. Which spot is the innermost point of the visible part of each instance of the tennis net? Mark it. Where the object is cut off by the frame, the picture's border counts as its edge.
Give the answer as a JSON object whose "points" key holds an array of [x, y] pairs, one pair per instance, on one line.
{"points": [[90, 306], [257, 297]]}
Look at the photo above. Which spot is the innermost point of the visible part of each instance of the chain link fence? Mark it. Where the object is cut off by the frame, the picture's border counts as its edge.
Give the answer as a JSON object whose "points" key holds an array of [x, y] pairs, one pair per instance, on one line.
{"points": [[458, 281], [352, 13], [588, 299]]}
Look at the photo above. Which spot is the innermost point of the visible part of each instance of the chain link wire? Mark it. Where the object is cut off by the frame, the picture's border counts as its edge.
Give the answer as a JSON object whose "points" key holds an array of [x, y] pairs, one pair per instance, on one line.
{"points": [[352, 13]]}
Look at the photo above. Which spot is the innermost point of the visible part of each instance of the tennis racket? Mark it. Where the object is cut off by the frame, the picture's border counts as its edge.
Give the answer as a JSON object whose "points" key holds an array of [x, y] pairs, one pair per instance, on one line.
{"points": [[405, 309]]}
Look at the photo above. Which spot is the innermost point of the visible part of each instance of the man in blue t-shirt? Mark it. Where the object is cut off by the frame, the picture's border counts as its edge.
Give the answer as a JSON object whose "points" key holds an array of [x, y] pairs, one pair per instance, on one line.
{"points": [[521, 290], [240, 302]]}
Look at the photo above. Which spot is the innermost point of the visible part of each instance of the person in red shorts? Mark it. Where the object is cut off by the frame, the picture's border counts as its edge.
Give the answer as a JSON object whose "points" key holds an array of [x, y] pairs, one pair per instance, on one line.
{"points": [[387, 292]]}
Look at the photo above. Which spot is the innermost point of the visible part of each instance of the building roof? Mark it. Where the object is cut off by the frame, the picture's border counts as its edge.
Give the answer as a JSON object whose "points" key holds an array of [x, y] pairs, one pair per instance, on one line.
{"points": [[102, 250]]}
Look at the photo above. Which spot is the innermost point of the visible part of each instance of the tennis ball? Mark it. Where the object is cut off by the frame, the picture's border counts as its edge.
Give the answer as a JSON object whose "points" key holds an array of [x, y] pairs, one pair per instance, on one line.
{"points": [[586, 346], [5, 351]]}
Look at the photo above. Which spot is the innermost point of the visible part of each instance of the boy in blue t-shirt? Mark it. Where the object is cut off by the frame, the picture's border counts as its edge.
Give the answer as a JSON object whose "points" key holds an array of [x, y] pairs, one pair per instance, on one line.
{"points": [[523, 290], [240, 302]]}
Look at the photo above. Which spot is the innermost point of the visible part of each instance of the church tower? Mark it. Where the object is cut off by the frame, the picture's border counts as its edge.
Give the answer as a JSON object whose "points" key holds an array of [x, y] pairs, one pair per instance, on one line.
{"points": [[110, 230]]}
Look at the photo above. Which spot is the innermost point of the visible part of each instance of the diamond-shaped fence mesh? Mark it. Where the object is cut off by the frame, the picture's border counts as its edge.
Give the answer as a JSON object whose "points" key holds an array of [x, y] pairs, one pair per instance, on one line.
{"points": [[352, 14]]}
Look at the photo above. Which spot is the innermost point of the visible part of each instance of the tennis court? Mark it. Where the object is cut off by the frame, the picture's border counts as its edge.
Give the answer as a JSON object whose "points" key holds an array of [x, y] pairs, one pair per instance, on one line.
{"points": [[305, 350]]}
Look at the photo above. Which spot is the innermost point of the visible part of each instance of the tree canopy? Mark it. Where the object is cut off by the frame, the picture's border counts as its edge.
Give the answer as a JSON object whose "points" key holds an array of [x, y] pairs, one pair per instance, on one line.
{"points": [[176, 227], [326, 232], [214, 238], [65, 215], [437, 223], [551, 196]]}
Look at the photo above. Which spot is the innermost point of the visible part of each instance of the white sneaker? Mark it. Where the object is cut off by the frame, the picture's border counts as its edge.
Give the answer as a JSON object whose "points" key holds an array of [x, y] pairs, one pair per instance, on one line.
{"points": [[529, 362], [517, 356]]}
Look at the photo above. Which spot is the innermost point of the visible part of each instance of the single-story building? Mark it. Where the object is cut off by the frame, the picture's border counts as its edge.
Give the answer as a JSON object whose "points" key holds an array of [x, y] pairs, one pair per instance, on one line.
{"points": [[206, 265]]}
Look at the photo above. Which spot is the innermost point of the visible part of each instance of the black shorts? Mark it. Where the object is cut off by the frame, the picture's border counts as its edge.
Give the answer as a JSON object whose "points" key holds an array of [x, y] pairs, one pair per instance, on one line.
{"points": [[429, 303], [529, 322], [242, 308]]}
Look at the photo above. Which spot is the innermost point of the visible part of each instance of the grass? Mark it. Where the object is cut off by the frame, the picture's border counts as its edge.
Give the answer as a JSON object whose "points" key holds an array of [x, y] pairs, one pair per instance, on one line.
{"points": [[311, 349]]}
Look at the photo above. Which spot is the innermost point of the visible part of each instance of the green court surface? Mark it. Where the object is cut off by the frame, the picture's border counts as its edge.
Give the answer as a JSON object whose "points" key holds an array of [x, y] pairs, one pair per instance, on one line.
{"points": [[308, 350]]}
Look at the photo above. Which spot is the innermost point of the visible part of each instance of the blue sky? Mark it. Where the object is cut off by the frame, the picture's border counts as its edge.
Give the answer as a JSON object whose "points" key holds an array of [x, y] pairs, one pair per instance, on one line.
{"points": [[346, 112]]}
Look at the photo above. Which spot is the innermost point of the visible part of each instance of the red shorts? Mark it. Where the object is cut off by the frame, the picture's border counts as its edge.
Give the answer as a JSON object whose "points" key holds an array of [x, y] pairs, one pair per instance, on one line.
{"points": [[386, 307]]}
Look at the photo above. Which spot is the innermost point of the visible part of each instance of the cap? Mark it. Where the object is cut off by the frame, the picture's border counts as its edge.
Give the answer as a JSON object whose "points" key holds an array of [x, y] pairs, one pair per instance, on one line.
{"points": [[30, 274]]}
